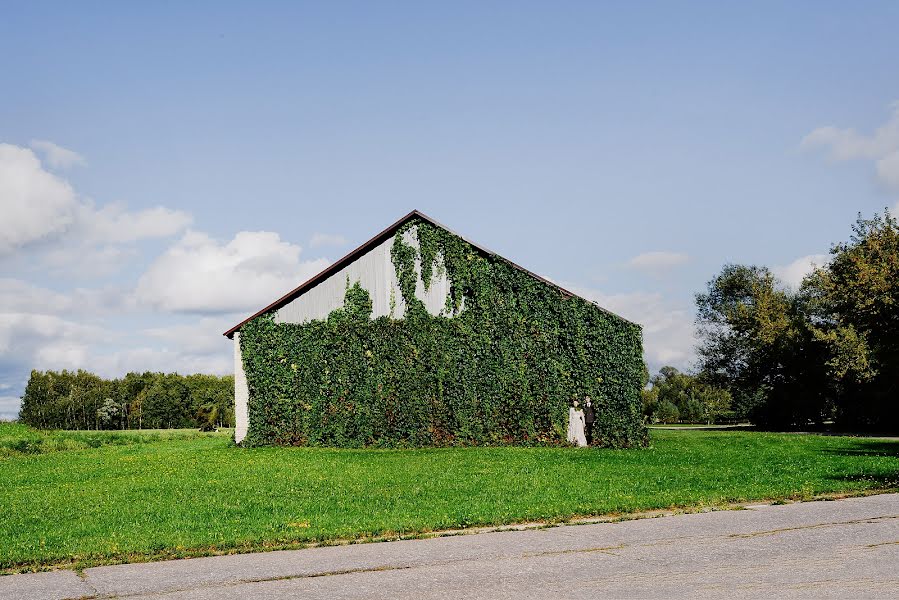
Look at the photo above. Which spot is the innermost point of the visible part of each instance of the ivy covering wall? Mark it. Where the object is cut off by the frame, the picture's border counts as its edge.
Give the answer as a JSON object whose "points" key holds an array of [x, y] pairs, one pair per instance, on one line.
{"points": [[499, 366]]}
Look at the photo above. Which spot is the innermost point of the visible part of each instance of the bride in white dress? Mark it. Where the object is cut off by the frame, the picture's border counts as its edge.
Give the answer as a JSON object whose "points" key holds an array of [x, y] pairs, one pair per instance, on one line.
{"points": [[576, 425]]}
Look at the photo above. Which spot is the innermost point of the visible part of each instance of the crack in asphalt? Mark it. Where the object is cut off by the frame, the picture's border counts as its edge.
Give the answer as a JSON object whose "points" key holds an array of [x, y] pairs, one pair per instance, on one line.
{"points": [[871, 520], [882, 544], [603, 550]]}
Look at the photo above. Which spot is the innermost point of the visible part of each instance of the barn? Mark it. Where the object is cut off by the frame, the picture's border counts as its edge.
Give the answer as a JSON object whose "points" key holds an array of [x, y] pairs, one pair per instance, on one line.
{"points": [[420, 337]]}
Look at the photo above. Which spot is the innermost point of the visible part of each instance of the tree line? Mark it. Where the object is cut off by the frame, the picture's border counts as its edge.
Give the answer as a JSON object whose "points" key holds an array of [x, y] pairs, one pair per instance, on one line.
{"points": [[677, 397], [826, 353], [82, 400]]}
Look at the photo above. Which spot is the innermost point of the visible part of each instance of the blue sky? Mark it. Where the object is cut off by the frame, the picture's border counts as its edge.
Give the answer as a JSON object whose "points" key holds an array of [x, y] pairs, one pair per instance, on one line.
{"points": [[219, 153]]}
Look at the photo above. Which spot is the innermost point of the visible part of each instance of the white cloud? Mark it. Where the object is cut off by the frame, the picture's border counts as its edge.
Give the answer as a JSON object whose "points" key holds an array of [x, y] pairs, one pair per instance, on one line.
{"points": [[114, 224], [9, 407], [48, 341], [21, 296], [888, 170], [101, 240], [57, 156], [792, 274], [39, 206], [165, 360], [668, 337], [79, 260], [656, 261], [326, 239], [882, 146], [200, 338], [45, 223], [200, 275], [36, 204], [17, 295]]}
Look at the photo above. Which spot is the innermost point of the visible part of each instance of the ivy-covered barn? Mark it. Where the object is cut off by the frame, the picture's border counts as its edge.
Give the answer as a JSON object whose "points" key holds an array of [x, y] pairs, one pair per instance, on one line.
{"points": [[420, 337]]}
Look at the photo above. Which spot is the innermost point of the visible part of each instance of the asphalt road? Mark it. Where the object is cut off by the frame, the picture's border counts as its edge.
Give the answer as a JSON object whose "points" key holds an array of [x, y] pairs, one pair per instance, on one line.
{"points": [[838, 549]]}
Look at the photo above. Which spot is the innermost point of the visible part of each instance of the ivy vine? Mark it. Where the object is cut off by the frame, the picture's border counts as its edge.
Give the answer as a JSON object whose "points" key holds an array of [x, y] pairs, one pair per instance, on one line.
{"points": [[498, 366]]}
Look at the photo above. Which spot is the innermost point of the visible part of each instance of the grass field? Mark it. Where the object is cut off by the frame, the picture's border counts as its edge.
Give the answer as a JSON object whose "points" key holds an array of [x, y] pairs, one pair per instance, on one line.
{"points": [[82, 498]]}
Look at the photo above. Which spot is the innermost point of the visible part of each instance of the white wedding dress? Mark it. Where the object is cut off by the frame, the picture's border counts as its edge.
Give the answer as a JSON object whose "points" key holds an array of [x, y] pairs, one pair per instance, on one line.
{"points": [[576, 426]]}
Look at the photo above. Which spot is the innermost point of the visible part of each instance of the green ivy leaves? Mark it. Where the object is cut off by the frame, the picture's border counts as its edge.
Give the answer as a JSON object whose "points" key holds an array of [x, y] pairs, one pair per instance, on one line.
{"points": [[502, 370]]}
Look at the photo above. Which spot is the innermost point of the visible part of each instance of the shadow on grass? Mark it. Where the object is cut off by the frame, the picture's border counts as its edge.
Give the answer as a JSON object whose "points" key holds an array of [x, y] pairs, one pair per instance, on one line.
{"points": [[877, 475], [880, 482], [863, 447]]}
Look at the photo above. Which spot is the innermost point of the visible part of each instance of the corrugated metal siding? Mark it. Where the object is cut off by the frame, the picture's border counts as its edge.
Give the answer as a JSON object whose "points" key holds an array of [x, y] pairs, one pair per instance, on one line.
{"points": [[375, 272]]}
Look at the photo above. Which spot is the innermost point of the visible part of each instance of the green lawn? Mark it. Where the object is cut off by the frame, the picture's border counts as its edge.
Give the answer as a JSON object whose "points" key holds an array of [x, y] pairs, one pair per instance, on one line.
{"points": [[18, 440], [65, 499]]}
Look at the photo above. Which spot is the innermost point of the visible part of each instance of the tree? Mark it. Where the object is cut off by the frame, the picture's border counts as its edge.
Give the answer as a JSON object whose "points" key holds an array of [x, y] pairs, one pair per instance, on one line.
{"points": [[756, 342], [107, 413], [676, 396], [853, 306], [714, 403], [827, 351], [667, 413]]}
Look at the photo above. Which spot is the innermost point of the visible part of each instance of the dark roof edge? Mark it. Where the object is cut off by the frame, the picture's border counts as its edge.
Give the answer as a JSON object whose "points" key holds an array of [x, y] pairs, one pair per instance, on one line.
{"points": [[380, 237]]}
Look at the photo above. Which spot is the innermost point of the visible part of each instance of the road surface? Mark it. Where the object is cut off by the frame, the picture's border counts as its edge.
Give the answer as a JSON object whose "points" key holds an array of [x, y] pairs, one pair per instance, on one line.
{"points": [[836, 549]]}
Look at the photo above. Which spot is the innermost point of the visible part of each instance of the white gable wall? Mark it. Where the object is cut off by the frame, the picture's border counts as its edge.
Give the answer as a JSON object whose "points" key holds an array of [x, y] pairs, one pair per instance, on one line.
{"points": [[241, 394], [375, 272]]}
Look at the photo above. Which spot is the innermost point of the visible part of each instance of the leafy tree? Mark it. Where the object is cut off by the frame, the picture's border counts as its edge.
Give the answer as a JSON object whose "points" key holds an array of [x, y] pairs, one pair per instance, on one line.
{"points": [[827, 351], [756, 342], [107, 413], [714, 402], [853, 306], [695, 401], [667, 412], [650, 402]]}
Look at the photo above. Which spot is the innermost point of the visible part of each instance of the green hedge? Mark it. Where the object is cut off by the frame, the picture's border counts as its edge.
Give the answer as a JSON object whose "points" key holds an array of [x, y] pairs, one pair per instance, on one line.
{"points": [[499, 368]]}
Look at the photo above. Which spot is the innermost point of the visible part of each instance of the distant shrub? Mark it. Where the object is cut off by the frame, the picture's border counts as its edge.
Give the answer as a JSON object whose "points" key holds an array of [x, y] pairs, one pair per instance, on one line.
{"points": [[666, 412]]}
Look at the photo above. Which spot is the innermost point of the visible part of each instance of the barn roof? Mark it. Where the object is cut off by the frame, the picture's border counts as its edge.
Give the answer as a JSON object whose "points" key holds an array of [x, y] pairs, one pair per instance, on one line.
{"points": [[375, 241]]}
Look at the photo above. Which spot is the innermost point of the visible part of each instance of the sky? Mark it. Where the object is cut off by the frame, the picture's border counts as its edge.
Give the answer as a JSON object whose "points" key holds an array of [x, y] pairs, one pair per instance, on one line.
{"points": [[167, 169]]}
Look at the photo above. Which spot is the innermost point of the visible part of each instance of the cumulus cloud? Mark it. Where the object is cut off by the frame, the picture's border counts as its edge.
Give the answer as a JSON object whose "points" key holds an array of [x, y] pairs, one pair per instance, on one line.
{"points": [[57, 156], [40, 206], [48, 341], [882, 146], [327, 239], [792, 274], [657, 261], [36, 204], [198, 274], [113, 223], [17, 295], [668, 337]]}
